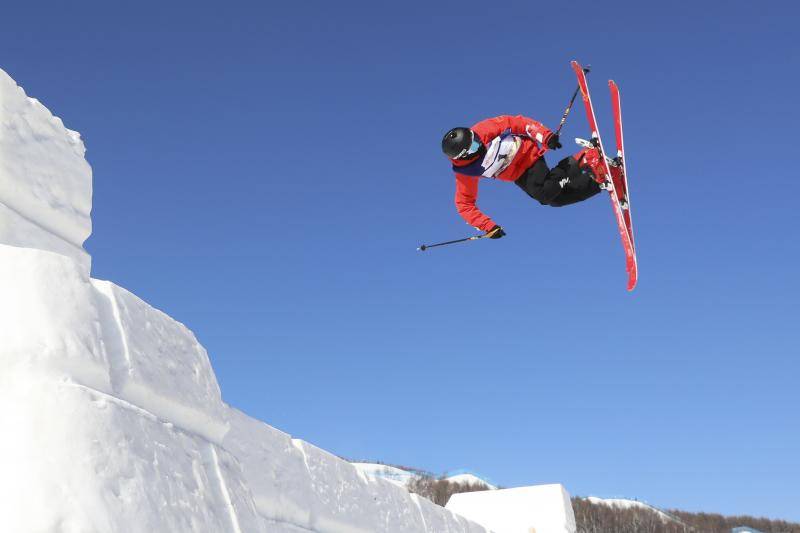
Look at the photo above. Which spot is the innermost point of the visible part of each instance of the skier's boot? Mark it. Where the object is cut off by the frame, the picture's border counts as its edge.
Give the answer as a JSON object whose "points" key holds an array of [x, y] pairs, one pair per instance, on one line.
{"points": [[589, 160]]}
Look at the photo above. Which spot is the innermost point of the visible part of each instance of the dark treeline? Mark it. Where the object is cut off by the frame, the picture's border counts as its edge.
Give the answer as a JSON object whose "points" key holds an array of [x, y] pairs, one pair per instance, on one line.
{"points": [[716, 522], [600, 518]]}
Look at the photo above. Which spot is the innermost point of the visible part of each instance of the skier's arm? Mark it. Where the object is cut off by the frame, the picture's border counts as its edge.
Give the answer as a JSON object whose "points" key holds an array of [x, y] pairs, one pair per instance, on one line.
{"points": [[466, 198], [492, 127]]}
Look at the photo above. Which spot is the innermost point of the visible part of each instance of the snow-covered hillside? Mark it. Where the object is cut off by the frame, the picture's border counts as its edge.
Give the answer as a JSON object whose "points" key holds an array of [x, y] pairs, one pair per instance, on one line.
{"points": [[464, 477], [401, 476], [624, 503], [112, 418]]}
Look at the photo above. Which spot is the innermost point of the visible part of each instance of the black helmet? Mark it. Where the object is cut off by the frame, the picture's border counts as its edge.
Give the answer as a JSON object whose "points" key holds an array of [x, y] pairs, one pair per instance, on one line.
{"points": [[459, 142]]}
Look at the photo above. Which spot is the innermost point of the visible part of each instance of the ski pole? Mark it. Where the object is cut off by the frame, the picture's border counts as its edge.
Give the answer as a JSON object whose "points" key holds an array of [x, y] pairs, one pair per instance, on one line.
{"points": [[424, 247], [572, 101]]}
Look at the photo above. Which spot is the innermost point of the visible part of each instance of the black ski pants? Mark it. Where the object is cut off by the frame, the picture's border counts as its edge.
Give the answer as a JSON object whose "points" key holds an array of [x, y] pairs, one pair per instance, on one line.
{"points": [[549, 187]]}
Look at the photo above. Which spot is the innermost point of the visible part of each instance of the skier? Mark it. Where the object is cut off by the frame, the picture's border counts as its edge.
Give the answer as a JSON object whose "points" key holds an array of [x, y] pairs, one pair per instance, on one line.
{"points": [[511, 149]]}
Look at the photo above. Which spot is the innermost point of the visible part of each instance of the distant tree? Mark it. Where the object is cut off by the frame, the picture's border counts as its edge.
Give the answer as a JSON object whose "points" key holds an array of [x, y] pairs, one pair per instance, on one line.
{"points": [[599, 518], [439, 490]]}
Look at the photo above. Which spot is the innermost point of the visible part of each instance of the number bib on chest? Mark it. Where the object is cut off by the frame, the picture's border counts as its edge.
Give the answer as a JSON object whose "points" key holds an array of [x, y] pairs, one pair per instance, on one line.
{"points": [[499, 155]]}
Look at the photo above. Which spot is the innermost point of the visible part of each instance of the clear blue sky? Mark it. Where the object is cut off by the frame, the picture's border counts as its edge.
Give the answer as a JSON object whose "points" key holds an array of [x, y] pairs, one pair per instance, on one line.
{"points": [[264, 171]]}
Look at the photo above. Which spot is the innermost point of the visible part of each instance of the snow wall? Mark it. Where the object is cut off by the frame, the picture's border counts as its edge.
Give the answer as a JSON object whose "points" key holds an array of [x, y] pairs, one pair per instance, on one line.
{"points": [[112, 418]]}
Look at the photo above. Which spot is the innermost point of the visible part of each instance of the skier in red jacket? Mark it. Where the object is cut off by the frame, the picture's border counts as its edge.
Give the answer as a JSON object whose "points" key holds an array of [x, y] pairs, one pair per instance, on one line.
{"points": [[511, 149]]}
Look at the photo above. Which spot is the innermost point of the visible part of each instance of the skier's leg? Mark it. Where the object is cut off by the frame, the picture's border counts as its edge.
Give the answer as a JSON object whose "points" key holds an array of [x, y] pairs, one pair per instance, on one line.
{"points": [[581, 183], [572, 196], [537, 184]]}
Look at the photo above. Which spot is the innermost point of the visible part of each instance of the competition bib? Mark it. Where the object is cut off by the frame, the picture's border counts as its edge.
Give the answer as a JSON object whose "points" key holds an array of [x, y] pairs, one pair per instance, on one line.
{"points": [[499, 155]]}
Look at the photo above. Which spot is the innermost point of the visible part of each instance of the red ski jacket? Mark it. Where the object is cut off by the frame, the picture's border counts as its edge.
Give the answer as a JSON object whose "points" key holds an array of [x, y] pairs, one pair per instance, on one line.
{"points": [[528, 135]]}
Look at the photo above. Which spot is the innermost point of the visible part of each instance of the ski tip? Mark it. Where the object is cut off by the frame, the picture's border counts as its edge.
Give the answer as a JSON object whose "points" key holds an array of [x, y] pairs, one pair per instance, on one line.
{"points": [[576, 66], [633, 279]]}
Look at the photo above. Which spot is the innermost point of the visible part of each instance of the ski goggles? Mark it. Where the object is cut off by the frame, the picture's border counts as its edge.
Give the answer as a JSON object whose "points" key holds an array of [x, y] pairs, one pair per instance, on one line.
{"points": [[472, 149]]}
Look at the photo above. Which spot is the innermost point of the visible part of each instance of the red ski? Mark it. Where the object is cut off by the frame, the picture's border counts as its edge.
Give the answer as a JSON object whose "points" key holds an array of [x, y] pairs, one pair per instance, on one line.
{"points": [[618, 187], [621, 176]]}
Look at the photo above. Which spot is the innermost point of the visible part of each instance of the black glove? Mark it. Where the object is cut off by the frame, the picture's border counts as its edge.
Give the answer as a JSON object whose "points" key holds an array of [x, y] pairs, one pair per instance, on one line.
{"points": [[553, 142], [496, 232]]}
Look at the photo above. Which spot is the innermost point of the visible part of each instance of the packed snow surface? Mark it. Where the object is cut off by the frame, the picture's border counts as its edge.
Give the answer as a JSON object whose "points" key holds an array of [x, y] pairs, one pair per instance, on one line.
{"points": [[112, 418], [543, 508], [392, 474], [113, 421], [45, 182]]}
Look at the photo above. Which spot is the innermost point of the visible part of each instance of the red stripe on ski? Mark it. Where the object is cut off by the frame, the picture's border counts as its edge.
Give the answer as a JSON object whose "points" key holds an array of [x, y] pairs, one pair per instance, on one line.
{"points": [[627, 243]]}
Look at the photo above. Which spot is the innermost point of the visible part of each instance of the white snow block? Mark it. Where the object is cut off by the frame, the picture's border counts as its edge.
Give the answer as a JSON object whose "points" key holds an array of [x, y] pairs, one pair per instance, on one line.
{"points": [[347, 501], [75, 459], [439, 520], [536, 509], [112, 418], [48, 318], [275, 469], [59, 322], [162, 366], [296, 483], [45, 181], [16, 230]]}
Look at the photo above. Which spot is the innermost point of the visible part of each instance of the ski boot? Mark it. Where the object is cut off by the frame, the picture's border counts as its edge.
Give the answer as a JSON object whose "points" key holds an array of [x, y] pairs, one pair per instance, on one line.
{"points": [[589, 161]]}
